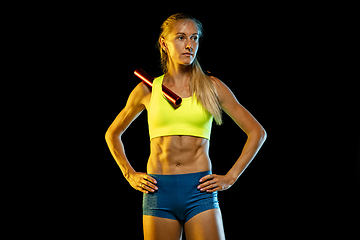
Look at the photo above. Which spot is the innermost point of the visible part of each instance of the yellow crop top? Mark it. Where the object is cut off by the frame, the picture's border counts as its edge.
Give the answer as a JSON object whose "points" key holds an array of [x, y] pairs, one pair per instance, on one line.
{"points": [[190, 118]]}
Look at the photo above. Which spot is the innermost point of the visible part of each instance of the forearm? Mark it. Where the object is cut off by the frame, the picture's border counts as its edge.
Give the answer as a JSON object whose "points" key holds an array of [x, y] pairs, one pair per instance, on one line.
{"points": [[252, 146], [117, 150]]}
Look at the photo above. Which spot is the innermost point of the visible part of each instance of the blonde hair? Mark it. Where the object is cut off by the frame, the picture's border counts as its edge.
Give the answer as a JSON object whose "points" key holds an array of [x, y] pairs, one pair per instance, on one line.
{"points": [[200, 83]]}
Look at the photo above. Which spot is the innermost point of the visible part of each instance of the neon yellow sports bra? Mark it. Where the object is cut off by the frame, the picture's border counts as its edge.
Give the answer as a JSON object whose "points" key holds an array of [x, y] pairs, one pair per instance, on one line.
{"points": [[190, 118]]}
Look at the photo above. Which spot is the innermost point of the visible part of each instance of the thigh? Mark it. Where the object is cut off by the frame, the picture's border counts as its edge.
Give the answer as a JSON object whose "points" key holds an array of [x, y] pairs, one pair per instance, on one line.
{"points": [[157, 228], [206, 225]]}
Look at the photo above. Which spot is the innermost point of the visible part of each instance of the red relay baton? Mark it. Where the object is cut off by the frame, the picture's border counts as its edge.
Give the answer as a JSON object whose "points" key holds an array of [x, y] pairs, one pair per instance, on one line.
{"points": [[148, 80]]}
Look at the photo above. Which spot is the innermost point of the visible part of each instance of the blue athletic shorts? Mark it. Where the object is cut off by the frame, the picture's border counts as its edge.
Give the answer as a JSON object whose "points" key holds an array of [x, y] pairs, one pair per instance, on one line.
{"points": [[178, 198]]}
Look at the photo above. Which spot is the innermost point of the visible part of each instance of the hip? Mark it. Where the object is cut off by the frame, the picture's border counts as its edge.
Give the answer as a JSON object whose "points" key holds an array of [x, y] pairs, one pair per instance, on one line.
{"points": [[177, 197], [180, 188]]}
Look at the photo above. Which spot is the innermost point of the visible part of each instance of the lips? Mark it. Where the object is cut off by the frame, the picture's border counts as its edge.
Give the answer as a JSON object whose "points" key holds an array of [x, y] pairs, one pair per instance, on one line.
{"points": [[187, 54]]}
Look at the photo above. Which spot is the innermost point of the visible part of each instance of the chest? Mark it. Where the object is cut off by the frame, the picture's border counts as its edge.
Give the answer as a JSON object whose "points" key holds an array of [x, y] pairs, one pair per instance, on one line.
{"points": [[182, 90]]}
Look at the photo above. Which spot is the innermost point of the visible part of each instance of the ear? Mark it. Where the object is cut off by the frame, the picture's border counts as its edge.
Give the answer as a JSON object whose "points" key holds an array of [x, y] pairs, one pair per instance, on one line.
{"points": [[163, 43]]}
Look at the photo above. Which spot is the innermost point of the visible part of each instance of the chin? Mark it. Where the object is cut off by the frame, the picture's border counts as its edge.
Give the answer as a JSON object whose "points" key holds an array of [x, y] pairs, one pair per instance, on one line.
{"points": [[186, 60], [186, 63]]}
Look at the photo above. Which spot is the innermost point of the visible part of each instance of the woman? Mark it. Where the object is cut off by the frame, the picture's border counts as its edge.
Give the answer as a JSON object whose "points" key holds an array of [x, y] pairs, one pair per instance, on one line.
{"points": [[179, 188]]}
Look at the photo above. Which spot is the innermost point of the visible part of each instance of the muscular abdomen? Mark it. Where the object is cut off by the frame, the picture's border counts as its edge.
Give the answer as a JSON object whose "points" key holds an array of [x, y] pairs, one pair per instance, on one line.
{"points": [[178, 155]]}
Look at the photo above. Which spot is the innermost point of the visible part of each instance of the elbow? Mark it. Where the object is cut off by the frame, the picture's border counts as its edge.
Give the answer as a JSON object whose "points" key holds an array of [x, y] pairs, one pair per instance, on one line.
{"points": [[260, 134], [263, 135], [107, 136], [110, 135]]}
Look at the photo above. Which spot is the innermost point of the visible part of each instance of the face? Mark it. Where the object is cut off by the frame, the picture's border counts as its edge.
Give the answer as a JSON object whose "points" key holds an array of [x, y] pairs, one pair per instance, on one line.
{"points": [[182, 43]]}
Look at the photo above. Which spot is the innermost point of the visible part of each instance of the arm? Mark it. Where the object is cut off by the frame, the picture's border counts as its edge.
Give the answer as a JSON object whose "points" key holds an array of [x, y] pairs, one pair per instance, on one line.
{"points": [[256, 137], [134, 106], [255, 132]]}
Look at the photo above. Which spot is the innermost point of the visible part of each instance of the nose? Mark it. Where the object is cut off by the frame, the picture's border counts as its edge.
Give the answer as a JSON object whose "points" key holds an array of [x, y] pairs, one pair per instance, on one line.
{"points": [[189, 45]]}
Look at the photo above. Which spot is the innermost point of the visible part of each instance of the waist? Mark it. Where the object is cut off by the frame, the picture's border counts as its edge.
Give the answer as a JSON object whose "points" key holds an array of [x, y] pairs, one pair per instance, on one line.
{"points": [[181, 178], [178, 155], [178, 165]]}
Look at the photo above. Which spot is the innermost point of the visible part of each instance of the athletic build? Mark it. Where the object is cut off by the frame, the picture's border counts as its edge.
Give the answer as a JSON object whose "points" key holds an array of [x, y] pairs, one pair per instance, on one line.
{"points": [[179, 163]]}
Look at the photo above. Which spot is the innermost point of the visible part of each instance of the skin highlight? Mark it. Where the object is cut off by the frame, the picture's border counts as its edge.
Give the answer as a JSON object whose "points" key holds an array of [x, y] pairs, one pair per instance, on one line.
{"points": [[183, 154]]}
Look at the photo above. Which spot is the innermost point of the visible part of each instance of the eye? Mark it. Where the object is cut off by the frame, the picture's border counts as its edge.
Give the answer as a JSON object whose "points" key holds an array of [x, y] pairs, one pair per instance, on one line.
{"points": [[195, 38], [180, 37]]}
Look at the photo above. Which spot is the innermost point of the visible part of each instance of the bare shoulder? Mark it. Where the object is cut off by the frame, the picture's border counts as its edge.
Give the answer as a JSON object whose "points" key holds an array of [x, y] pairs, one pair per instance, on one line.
{"points": [[142, 89], [222, 89], [140, 95], [234, 109], [220, 85]]}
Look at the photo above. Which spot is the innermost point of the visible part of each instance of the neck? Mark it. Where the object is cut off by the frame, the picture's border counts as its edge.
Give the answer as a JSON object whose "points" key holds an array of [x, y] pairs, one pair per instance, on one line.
{"points": [[179, 74]]}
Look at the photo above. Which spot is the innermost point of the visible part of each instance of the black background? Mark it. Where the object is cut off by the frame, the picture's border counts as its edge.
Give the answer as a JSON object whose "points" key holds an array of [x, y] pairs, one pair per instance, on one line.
{"points": [[280, 62]]}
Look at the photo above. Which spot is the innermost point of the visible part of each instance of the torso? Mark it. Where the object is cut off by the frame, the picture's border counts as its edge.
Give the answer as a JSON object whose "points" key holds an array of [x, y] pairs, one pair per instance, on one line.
{"points": [[177, 154]]}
